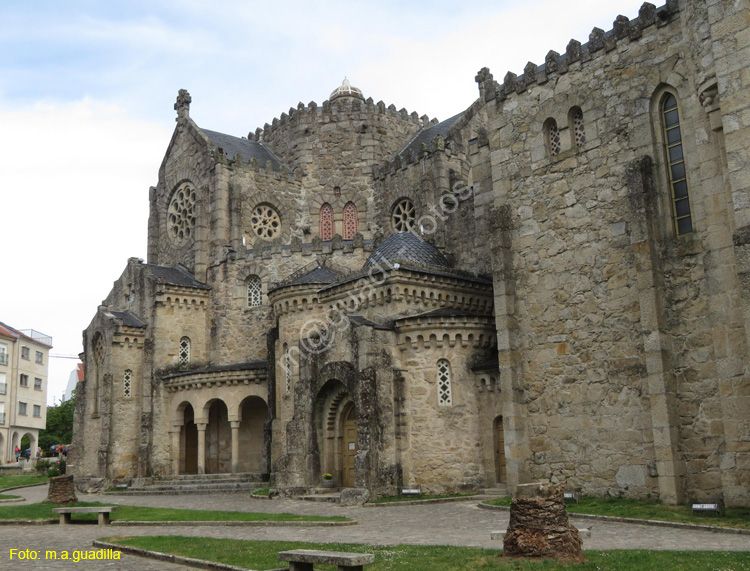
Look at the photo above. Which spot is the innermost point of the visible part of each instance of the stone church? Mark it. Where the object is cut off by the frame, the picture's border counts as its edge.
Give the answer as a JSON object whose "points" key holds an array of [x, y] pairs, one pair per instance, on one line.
{"points": [[550, 285]]}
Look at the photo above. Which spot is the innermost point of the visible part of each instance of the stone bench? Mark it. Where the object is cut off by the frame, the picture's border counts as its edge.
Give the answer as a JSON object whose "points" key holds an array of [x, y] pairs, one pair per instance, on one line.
{"points": [[103, 512], [584, 532], [303, 559]]}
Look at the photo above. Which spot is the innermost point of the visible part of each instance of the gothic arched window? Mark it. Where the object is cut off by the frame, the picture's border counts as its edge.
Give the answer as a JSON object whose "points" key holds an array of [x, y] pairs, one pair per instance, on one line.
{"points": [[576, 121], [351, 222], [254, 291], [326, 222], [676, 165], [445, 393]]}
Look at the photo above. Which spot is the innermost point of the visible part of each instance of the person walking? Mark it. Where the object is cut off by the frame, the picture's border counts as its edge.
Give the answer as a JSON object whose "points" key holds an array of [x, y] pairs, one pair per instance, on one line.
{"points": [[38, 452], [18, 453]]}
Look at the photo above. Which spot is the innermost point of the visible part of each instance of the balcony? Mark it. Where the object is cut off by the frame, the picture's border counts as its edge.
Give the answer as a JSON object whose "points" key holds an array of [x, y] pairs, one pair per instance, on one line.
{"points": [[3, 388]]}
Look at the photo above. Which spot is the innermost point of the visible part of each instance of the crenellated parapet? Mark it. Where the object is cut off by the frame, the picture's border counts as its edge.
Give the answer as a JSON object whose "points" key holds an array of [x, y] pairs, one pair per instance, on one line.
{"points": [[555, 64]]}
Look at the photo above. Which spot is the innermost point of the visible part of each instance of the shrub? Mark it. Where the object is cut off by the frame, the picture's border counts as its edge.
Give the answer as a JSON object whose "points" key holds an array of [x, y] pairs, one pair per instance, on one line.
{"points": [[42, 466], [52, 472]]}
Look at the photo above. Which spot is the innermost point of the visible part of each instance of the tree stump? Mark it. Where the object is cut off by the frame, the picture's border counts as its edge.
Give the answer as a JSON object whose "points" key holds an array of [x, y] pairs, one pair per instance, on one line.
{"points": [[61, 490], [539, 525]]}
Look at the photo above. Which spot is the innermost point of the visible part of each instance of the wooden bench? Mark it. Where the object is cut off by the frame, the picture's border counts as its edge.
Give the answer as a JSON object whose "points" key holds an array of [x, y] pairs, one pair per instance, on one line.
{"points": [[304, 559], [103, 512]]}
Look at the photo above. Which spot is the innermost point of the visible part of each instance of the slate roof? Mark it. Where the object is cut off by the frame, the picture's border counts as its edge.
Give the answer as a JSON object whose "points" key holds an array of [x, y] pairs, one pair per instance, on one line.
{"points": [[406, 247], [176, 276], [128, 319], [320, 275], [244, 147], [427, 135]]}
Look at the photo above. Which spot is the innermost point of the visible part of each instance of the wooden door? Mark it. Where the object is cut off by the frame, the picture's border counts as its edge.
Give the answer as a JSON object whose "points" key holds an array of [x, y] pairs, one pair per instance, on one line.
{"points": [[349, 448], [499, 451]]}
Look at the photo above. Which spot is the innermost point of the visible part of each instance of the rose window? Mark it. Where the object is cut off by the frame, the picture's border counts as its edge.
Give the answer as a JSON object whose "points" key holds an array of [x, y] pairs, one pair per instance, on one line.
{"points": [[181, 215], [265, 222], [403, 215]]}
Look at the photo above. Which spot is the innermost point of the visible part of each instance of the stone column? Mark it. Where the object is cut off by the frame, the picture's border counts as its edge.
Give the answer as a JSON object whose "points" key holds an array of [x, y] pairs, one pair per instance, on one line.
{"points": [[235, 425], [174, 435], [201, 446]]}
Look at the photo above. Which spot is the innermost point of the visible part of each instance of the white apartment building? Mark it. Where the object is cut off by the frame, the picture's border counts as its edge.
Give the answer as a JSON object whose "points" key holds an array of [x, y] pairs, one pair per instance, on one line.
{"points": [[24, 358]]}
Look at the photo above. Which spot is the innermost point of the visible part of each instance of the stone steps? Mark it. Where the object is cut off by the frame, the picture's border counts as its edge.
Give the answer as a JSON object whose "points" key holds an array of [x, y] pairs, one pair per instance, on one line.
{"points": [[197, 484], [497, 490]]}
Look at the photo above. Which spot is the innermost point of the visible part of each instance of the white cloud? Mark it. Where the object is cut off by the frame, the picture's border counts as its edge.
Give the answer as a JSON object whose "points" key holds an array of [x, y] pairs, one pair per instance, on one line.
{"points": [[75, 184]]}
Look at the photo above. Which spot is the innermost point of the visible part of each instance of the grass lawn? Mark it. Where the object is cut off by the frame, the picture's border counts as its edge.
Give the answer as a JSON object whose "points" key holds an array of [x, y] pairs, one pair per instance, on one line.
{"points": [[14, 480], [389, 499], [263, 555], [136, 513], [8, 497], [261, 492], [645, 509]]}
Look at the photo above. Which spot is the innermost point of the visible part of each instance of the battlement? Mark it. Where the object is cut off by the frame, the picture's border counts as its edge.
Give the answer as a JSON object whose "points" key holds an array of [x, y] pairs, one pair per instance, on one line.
{"points": [[312, 113], [556, 64]]}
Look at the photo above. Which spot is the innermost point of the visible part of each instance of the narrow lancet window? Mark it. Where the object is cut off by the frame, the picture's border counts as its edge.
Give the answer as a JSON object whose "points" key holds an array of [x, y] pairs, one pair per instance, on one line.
{"points": [[326, 222], [676, 166]]}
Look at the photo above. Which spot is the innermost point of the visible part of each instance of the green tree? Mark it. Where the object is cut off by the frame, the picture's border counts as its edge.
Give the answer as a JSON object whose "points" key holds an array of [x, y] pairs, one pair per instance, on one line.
{"points": [[59, 428]]}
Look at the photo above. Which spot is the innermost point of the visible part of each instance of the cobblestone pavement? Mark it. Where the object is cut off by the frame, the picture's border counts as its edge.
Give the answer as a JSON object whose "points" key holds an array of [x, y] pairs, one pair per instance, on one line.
{"points": [[459, 523]]}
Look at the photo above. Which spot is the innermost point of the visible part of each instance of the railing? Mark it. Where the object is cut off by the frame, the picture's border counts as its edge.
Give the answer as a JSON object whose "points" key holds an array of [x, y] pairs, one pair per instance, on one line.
{"points": [[3, 358], [3, 388], [36, 336], [2, 418]]}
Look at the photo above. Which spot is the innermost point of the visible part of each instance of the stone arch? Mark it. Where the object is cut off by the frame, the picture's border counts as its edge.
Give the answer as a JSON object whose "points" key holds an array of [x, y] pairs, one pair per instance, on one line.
{"points": [[253, 413], [333, 405], [31, 446]]}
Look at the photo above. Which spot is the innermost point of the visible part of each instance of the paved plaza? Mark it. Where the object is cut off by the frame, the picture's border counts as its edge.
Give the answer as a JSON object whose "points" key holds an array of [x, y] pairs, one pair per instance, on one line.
{"points": [[457, 523]]}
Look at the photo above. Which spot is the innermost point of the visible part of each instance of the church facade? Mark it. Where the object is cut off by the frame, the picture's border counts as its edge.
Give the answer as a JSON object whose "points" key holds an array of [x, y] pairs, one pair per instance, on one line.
{"points": [[550, 285]]}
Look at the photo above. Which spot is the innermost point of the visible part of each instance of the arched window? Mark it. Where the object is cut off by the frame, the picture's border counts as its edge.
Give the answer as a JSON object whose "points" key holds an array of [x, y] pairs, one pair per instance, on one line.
{"points": [[183, 354], [676, 165], [326, 222], [254, 291], [553, 136], [576, 121], [287, 369], [127, 379], [445, 394], [351, 223]]}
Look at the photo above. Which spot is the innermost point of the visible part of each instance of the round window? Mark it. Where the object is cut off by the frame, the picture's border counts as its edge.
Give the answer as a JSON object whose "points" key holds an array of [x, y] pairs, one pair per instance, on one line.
{"points": [[403, 215], [266, 222], [181, 214]]}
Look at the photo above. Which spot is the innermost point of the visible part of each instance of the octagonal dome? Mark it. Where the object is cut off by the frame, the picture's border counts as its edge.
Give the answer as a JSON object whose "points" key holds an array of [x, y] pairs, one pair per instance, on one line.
{"points": [[406, 247], [346, 90]]}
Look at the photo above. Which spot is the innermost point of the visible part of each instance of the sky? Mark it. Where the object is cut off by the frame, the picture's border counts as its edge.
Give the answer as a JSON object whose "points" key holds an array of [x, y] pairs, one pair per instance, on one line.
{"points": [[87, 90]]}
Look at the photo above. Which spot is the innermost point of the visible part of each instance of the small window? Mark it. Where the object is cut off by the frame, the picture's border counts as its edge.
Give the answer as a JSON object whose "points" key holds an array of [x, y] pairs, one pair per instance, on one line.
{"points": [[37, 384], [25, 353], [126, 382], [254, 291], [3, 354], [183, 355], [553, 137], [403, 215], [37, 411], [22, 408], [351, 222], [40, 357], [579, 134], [445, 396], [676, 166], [287, 369], [24, 380], [326, 222]]}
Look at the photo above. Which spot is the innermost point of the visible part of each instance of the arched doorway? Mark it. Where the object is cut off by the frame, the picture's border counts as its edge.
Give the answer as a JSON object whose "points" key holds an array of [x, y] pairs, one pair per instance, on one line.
{"points": [[349, 444], [499, 437], [253, 414], [218, 439], [188, 442]]}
